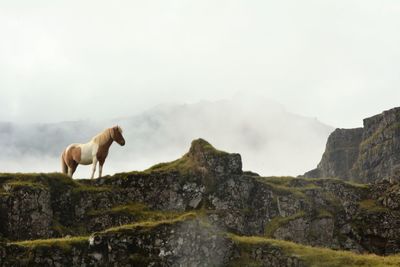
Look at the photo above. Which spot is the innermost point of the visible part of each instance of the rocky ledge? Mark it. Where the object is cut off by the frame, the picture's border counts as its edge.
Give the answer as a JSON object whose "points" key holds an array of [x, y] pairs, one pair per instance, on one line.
{"points": [[199, 210], [365, 155]]}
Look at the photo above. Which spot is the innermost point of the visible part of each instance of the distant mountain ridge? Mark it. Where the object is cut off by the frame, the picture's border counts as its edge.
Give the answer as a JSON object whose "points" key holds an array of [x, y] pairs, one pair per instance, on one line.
{"points": [[270, 139]]}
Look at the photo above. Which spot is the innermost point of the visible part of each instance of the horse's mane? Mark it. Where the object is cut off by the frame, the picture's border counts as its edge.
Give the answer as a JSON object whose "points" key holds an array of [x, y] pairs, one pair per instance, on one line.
{"points": [[102, 137]]}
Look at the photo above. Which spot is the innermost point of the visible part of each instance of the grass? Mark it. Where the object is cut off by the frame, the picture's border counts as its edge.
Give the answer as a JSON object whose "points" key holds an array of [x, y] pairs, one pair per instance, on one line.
{"points": [[87, 188], [186, 164], [322, 213], [316, 257], [151, 224], [370, 205], [281, 188], [63, 243], [66, 243], [279, 221], [23, 184], [139, 210], [183, 165]]}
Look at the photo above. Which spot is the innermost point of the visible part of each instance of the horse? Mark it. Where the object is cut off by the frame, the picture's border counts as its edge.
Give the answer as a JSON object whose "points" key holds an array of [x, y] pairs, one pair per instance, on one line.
{"points": [[96, 150]]}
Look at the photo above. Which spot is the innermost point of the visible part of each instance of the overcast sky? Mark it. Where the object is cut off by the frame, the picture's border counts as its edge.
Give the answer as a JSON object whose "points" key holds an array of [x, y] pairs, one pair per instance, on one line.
{"points": [[335, 60]]}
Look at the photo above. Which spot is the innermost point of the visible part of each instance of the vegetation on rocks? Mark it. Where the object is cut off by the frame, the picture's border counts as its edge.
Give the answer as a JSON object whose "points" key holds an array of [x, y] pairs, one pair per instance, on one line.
{"points": [[199, 210]]}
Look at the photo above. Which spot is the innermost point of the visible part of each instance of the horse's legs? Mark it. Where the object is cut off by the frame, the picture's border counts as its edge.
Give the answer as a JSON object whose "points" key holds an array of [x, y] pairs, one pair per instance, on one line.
{"points": [[100, 169], [101, 163], [94, 167], [72, 168], [70, 172]]}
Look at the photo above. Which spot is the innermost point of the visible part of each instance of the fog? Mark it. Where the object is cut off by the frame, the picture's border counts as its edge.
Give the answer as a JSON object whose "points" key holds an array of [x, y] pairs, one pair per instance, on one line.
{"points": [[69, 69], [271, 140], [72, 60]]}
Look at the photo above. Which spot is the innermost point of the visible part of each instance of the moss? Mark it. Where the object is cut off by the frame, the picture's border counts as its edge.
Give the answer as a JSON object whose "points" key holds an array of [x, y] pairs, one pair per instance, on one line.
{"points": [[137, 259], [279, 221], [138, 210], [55, 182], [23, 184], [152, 224], [371, 206], [183, 165], [323, 213], [315, 257], [357, 185], [371, 140], [73, 230], [63, 243], [87, 188], [281, 188], [187, 164], [279, 180]]}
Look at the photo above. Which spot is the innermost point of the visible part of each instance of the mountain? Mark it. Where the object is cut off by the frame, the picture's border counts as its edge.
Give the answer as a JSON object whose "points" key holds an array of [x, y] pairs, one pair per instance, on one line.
{"points": [[201, 209], [270, 139], [365, 154]]}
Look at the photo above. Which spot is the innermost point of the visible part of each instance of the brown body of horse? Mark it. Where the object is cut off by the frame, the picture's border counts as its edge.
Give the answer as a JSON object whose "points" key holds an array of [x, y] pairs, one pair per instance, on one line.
{"points": [[96, 150]]}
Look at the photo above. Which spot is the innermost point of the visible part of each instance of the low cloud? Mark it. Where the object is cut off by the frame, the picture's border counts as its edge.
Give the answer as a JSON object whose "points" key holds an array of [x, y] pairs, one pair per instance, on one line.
{"points": [[271, 140]]}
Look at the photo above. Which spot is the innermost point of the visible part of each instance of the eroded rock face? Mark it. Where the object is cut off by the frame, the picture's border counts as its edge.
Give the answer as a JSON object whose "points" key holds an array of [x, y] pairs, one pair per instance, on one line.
{"points": [[318, 212], [340, 154], [365, 154], [380, 150], [28, 214], [316, 232], [214, 161], [186, 243]]}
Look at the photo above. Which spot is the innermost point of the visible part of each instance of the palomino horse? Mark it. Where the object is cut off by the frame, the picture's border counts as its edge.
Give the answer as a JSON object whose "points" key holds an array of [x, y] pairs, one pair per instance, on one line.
{"points": [[94, 151]]}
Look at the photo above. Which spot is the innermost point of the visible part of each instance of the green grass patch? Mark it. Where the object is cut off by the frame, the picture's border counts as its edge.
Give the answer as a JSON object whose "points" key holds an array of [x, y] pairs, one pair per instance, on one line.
{"points": [[186, 164], [323, 213], [371, 206], [151, 224], [183, 165], [23, 184], [139, 210], [316, 257], [87, 188], [281, 188], [63, 243], [279, 221]]}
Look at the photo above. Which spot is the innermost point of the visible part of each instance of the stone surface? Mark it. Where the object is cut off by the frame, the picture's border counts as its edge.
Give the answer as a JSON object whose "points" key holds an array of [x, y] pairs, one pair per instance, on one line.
{"points": [[341, 152], [365, 154], [319, 212]]}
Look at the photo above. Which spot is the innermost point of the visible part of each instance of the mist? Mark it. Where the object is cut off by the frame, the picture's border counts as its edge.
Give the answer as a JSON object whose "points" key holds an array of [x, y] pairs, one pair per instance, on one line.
{"points": [[271, 140], [337, 60], [163, 70]]}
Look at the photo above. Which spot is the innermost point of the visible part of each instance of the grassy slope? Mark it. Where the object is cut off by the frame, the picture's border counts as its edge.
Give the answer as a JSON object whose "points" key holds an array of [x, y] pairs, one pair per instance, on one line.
{"points": [[316, 257], [310, 255]]}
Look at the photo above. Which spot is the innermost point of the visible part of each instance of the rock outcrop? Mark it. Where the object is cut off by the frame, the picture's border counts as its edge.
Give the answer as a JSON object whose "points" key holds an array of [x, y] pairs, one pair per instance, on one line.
{"points": [[341, 152], [365, 154], [199, 210]]}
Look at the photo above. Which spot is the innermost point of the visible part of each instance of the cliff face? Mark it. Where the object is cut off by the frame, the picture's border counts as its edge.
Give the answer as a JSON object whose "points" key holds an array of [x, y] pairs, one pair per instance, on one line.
{"points": [[199, 210], [364, 154], [379, 155], [341, 152]]}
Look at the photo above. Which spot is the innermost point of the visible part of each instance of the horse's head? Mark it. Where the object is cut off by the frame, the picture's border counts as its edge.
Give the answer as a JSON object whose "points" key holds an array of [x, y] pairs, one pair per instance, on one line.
{"points": [[116, 135]]}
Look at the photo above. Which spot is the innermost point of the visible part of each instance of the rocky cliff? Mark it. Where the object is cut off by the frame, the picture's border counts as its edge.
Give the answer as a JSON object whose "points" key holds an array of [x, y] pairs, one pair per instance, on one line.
{"points": [[199, 210], [365, 154]]}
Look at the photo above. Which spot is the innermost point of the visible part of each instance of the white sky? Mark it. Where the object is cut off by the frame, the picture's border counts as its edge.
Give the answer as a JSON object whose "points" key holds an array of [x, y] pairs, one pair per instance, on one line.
{"points": [[336, 60]]}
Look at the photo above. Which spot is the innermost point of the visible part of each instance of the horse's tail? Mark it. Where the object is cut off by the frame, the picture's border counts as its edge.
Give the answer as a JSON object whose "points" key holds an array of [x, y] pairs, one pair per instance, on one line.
{"points": [[64, 167]]}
